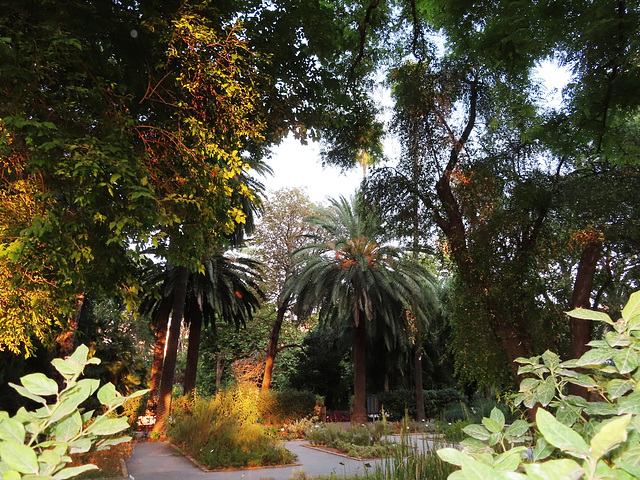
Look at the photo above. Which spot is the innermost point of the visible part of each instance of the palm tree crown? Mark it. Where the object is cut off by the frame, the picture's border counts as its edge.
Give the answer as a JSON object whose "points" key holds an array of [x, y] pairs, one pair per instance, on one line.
{"points": [[355, 281]]}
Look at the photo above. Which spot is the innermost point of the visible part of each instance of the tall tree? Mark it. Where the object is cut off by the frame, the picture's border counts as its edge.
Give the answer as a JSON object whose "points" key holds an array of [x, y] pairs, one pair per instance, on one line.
{"points": [[280, 232], [356, 284]]}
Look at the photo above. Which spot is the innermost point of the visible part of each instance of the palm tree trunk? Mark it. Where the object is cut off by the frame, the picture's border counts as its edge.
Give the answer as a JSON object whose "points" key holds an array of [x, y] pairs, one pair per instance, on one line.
{"points": [[272, 348], [169, 367], [195, 330], [359, 374], [161, 321]]}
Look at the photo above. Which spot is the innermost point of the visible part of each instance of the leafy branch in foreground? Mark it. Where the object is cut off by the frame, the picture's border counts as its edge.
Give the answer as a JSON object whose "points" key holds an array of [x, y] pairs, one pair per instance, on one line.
{"points": [[38, 444], [595, 438]]}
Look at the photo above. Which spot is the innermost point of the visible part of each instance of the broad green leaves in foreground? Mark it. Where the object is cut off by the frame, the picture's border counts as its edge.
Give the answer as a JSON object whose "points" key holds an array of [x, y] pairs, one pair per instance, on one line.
{"points": [[39, 443], [587, 439]]}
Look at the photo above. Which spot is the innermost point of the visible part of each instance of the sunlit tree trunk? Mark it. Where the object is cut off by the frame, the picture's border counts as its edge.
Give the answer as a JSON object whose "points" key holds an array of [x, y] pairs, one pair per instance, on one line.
{"points": [[161, 321], [359, 374], [272, 348], [195, 331], [169, 367]]}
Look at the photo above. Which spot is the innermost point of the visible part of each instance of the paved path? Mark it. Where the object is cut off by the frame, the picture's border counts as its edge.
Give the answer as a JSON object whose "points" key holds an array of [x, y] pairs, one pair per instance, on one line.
{"points": [[159, 460]]}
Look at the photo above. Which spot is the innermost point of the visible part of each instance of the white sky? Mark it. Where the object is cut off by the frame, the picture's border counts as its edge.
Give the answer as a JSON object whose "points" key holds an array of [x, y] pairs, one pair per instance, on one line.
{"points": [[297, 165]]}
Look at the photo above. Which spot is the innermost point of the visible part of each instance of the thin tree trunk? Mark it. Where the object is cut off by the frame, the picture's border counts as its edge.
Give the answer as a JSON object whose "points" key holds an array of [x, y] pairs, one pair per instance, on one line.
{"points": [[417, 372], [359, 374], [169, 367], [580, 330], [219, 370], [272, 348], [161, 321], [195, 330]]}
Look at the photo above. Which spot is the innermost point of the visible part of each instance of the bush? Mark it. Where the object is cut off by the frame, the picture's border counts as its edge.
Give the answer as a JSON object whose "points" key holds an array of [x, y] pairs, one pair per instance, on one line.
{"points": [[397, 402], [455, 431], [435, 401], [287, 405], [39, 444], [364, 441], [223, 431], [576, 438]]}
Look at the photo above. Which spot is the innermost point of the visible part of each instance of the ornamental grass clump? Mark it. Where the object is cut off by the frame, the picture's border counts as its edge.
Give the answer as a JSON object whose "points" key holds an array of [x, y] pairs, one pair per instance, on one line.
{"points": [[364, 441]]}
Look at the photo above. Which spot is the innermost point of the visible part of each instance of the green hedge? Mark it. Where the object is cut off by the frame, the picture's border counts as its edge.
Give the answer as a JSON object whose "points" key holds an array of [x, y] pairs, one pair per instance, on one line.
{"points": [[396, 402]]}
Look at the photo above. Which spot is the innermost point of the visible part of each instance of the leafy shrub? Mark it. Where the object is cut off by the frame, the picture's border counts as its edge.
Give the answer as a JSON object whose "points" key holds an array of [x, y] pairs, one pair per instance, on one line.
{"points": [[576, 438], [397, 402], [292, 404], [40, 443]]}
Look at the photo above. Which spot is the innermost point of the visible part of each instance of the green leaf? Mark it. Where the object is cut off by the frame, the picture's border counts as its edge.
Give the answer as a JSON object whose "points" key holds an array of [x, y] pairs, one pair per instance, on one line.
{"points": [[508, 461], [19, 456], [11, 475], [110, 442], [11, 429], [528, 383], [629, 460], [583, 381], [595, 357], [71, 472], [546, 391], [452, 455], [80, 446], [39, 384], [632, 308], [626, 360], [475, 470], [561, 469], [477, 431], [107, 393], [614, 339], [609, 435], [560, 435], [585, 314], [68, 369], [108, 426], [618, 387], [497, 416], [542, 450], [115, 177], [630, 404], [516, 429], [600, 409], [492, 425], [26, 393], [69, 427]]}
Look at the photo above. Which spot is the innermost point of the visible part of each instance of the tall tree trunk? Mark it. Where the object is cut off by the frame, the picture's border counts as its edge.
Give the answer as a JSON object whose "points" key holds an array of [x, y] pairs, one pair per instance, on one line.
{"points": [[161, 322], [417, 372], [169, 367], [67, 339], [195, 330], [580, 330], [359, 374], [272, 348]]}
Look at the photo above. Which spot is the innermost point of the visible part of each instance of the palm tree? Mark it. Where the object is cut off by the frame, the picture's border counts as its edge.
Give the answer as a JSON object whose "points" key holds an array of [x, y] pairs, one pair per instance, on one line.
{"points": [[228, 290], [356, 283]]}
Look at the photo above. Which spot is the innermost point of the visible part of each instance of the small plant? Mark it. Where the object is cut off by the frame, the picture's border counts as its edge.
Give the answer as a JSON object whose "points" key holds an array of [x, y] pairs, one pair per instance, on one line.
{"points": [[577, 438], [364, 441], [39, 444]]}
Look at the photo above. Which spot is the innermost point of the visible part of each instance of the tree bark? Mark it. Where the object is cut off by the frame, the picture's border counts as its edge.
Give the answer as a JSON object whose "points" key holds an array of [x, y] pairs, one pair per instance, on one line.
{"points": [[169, 367], [580, 330], [417, 372], [359, 374], [195, 331], [161, 321], [272, 348]]}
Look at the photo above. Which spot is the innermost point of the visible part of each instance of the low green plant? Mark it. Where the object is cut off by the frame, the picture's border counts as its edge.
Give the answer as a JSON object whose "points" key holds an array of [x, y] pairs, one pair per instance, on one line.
{"points": [[361, 441], [577, 438], [40, 444]]}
